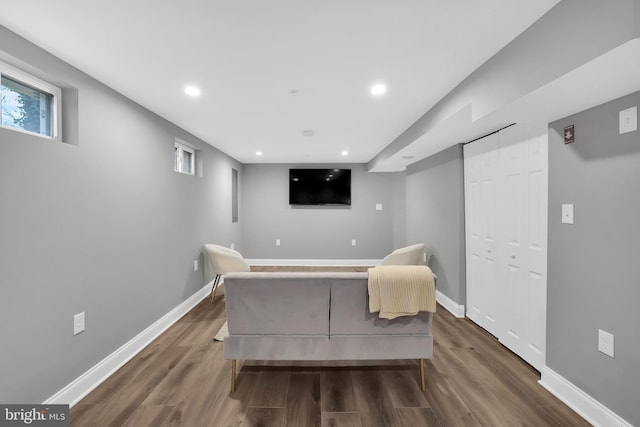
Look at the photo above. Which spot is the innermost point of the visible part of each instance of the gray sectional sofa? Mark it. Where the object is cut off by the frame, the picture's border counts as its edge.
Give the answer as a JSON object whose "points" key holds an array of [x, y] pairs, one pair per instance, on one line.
{"points": [[315, 316]]}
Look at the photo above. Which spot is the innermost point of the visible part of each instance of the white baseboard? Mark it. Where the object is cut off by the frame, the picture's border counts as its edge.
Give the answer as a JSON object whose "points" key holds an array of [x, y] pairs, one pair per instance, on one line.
{"points": [[586, 406], [451, 306], [85, 383], [317, 262]]}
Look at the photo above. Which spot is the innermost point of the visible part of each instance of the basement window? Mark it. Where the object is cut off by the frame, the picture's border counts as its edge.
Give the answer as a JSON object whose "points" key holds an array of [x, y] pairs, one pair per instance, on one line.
{"points": [[185, 158], [29, 105]]}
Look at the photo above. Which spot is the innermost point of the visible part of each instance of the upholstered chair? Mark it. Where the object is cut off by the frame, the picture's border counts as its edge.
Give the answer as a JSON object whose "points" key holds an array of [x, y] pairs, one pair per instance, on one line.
{"points": [[409, 255], [224, 260]]}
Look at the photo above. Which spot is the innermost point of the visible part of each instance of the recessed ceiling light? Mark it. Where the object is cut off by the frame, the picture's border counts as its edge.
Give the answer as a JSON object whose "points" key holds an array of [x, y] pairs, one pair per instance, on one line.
{"points": [[258, 153], [192, 91], [345, 153], [378, 89]]}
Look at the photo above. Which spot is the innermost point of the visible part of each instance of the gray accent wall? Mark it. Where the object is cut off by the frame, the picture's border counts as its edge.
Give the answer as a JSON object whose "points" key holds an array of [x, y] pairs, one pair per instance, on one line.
{"points": [[592, 265], [102, 226], [399, 206], [435, 216], [317, 232]]}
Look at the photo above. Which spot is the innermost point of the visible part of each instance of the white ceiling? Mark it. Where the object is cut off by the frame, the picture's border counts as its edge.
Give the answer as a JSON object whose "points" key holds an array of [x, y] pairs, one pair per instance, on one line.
{"points": [[247, 57], [607, 77]]}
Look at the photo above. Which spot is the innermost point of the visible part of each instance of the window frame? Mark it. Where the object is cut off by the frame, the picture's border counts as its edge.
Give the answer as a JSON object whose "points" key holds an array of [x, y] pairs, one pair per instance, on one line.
{"points": [[181, 148], [22, 77]]}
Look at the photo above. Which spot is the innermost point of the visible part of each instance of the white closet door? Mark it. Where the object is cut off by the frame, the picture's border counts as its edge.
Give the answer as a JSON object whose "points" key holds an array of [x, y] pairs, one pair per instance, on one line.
{"points": [[472, 218], [481, 173], [513, 157], [506, 220], [523, 154], [534, 350]]}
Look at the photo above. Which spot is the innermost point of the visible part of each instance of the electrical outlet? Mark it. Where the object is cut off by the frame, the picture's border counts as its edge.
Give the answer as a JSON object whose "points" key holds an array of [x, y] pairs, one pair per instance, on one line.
{"points": [[353, 242], [233, 246], [605, 343], [277, 242], [78, 323], [629, 120], [567, 213], [195, 265]]}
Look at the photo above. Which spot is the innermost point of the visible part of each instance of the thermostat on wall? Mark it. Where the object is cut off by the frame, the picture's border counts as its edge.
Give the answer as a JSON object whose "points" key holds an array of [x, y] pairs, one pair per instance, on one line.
{"points": [[569, 134]]}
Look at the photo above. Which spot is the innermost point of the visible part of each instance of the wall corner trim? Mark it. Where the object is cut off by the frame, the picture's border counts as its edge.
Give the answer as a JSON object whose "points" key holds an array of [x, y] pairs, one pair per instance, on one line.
{"points": [[586, 406], [85, 383], [453, 307]]}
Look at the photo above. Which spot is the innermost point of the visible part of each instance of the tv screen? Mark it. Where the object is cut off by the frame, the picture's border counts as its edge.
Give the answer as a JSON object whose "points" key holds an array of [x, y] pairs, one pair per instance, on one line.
{"points": [[320, 186]]}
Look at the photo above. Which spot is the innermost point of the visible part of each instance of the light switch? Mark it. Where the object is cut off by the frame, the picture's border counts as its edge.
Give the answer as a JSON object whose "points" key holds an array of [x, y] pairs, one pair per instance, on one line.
{"points": [[629, 120], [567, 213], [378, 206]]}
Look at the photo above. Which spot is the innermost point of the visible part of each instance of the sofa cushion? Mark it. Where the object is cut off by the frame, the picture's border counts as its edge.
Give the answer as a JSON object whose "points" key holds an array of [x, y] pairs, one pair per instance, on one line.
{"points": [[350, 311], [277, 303]]}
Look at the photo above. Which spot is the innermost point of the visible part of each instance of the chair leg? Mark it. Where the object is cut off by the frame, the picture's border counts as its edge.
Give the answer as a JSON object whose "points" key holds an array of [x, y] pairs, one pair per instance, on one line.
{"points": [[233, 376], [422, 384], [215, 286]]}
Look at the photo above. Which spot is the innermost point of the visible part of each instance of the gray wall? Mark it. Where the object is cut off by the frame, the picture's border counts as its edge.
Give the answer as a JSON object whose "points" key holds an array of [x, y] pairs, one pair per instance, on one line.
{"points": [[399, 205], [103, 226], [316, 232], [435, 216], [592, 271]]}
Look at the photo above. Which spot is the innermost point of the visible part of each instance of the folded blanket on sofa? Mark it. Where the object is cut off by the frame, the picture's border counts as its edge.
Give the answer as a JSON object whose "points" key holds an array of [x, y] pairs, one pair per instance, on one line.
{"points": [[401, 290]]}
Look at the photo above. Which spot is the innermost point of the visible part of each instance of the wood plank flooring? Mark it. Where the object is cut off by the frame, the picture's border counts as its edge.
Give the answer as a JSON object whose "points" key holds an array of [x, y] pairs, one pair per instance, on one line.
{"points": [[181, 379]]}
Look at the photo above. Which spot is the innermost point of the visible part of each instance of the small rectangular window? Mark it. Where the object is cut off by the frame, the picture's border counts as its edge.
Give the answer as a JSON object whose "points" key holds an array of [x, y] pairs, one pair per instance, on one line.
{"points": [[185, 159], [28, 104]]}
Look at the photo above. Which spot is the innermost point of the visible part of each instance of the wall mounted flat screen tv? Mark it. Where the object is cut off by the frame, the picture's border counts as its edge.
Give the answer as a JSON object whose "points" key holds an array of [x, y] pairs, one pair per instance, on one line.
{"points": [[320, 187]]}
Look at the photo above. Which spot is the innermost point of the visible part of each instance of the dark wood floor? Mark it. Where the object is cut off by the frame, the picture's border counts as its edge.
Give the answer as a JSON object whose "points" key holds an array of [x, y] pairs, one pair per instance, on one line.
{"points": [[181, 379]]}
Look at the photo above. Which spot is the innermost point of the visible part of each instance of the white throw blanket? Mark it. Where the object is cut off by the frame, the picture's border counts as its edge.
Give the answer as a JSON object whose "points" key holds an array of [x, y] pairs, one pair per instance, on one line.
{"points": [[401, 290]]}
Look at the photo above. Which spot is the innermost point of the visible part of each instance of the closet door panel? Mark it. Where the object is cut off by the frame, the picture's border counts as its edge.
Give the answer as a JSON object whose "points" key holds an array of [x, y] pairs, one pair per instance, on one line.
{"points": [[473, 226], [481, 160], [489, 268], [513, 152], [506, 220], [523, 151], [537, 191], [535, 345]]}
